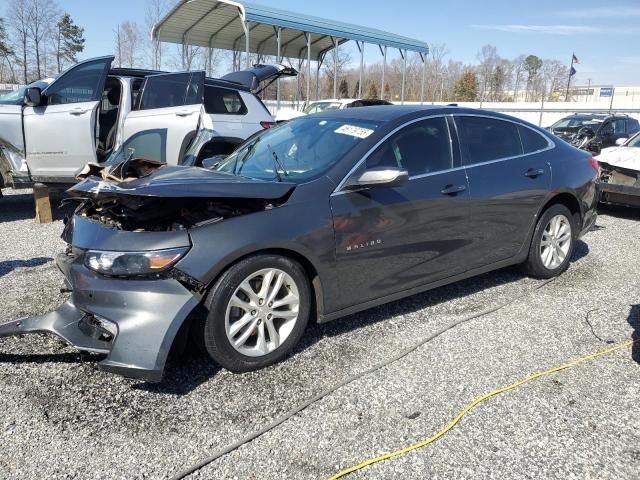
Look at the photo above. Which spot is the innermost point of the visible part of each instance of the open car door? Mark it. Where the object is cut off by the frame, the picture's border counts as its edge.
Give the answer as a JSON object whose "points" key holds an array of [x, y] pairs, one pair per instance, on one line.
{"points": [[60, 132], [253, 77], [169, 106]]}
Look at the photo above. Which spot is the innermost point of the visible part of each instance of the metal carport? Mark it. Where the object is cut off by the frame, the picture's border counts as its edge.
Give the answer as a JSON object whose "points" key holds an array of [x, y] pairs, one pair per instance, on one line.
{"points": [[227, 24]]}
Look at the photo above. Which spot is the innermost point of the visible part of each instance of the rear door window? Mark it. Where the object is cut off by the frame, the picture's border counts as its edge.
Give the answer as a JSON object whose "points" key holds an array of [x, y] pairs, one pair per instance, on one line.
{"points": [[172, 90], [420, 148], [532, 141], [223, 101], [484, 139]]}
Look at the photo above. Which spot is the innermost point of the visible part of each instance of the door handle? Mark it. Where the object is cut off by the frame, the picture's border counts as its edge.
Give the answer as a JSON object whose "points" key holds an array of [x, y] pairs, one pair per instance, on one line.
{"points": [[534, 172], [453, 189], [184, 113], [78, 111]]}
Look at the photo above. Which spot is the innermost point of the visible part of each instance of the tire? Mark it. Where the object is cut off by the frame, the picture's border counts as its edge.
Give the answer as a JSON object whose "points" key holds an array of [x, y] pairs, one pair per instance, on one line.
{"points": [[270, 322], [550, 261]]}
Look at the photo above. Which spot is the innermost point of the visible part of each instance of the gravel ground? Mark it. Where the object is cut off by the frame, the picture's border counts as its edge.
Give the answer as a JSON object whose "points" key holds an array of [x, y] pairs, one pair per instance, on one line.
{"points": [[64, 419]]}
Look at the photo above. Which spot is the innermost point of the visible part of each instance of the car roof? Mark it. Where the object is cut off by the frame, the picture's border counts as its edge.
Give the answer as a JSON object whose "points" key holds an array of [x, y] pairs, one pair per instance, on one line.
{"points": [[388, 113], [142, 73]]}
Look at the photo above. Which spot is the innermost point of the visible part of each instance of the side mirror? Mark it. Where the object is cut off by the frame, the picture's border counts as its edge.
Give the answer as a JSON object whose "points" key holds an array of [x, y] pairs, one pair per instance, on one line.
{"points": [[32, 97], [379, 177], [212, 162], [621, 141]]}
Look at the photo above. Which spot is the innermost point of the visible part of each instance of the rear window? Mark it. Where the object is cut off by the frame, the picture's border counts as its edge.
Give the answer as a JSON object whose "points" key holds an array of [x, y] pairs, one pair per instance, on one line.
{"points": [[485, 139], [532, 141], [223, 101]]}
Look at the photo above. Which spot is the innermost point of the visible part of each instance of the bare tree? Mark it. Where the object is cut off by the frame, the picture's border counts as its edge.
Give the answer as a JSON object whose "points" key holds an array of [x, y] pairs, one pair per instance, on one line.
{"points": [[154, 11], [128, 44], [335, 60], [488, 59], [40, 27], [18, 16], [518, 74], [6, 54]]}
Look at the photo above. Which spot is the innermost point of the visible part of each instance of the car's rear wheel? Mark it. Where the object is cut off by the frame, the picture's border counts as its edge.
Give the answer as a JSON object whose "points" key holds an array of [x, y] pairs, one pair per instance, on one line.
{"points": [[257, 311], [552, 243]]}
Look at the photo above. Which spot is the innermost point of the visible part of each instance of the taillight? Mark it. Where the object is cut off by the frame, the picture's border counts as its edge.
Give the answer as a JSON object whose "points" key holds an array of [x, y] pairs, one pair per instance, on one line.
{"points": [[266, 125], [594, 164]]}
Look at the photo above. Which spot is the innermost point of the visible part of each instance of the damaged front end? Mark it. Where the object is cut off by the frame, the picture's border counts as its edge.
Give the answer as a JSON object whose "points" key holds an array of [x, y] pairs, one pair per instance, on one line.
{"points": [[127, 237], [619, 185]]}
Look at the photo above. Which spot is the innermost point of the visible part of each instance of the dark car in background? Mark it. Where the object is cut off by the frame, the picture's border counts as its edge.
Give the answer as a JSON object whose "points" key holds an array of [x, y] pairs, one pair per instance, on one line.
{"points": [[318, 218], [594, 132]]}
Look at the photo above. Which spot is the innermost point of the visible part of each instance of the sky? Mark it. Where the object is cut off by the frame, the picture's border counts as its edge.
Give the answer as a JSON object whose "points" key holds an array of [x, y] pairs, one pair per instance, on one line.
{"points": [[604, 35]]}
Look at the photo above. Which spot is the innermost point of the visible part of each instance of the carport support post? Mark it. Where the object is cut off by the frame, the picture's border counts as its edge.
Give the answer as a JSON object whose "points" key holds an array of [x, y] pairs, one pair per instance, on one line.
{"points": [[403, 54], [308, 35], [335, 70], [424, 73], [361, 48], [384, 67], [279, 39], [247, 44]]}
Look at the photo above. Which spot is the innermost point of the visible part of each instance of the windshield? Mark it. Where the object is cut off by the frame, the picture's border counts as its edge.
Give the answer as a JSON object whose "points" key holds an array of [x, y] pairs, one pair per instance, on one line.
{"points": [[16, 97], [576, 122], [316, 107], [297, 151], [635, 141]]}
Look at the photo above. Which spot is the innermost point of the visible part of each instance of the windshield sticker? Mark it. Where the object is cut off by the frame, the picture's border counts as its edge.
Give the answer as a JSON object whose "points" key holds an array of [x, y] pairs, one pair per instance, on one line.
{"points": [[354, 131]]}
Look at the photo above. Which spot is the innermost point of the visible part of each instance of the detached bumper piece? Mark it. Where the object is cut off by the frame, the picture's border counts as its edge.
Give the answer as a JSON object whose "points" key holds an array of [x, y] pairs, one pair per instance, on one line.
{"points": [[70, 324], [618, 194], [132, 322]]}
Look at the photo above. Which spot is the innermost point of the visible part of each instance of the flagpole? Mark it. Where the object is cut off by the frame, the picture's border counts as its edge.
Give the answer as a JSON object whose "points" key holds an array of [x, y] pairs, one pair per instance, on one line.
{"points": [[566, 96]]}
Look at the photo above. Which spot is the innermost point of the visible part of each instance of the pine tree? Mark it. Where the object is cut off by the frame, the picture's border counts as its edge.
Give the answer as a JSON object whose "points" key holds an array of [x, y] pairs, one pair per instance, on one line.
{"points": [[70, 41], [356, 90], [387, 92], [343, 89], [372, 91], [466, 88]]}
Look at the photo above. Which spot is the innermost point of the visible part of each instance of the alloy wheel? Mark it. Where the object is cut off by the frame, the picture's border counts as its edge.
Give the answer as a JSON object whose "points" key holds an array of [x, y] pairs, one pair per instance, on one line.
{"points": [[556, 242], [262, 312]]}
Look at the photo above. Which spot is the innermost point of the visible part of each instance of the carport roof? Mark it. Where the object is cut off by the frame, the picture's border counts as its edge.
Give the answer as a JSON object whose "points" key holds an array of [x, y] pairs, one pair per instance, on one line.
{"points": [[220, 24]]}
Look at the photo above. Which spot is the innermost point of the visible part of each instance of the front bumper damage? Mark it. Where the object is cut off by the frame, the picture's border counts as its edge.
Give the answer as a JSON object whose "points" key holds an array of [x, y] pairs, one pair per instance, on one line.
{"points": [[133, 322], [619, 186]]}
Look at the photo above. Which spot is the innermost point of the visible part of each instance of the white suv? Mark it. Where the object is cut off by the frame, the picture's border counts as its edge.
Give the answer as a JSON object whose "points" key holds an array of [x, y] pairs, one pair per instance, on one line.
{"points": [[91, 110]]}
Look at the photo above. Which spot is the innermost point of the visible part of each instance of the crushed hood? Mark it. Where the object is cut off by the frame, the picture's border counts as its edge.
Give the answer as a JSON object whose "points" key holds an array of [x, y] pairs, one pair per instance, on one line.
{"points": [[622, 157], [182, 182]]}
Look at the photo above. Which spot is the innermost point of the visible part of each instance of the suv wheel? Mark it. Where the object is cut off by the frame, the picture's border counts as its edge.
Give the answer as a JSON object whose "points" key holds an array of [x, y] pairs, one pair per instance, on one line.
{"points": [[552, 243], [257, 312]]}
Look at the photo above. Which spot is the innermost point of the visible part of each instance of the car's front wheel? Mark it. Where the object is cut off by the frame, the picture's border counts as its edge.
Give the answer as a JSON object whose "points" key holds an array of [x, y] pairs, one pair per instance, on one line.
{"points": [[552, 243], [257, 312]]}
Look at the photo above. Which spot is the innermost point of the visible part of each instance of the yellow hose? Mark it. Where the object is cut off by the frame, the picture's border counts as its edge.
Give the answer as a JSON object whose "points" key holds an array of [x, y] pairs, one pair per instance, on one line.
{"points": [[478, 400]]}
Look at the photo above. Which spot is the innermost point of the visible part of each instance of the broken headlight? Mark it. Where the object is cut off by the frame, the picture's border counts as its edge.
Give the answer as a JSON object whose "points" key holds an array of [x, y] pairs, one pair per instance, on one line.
{"points": [[132, 263]]}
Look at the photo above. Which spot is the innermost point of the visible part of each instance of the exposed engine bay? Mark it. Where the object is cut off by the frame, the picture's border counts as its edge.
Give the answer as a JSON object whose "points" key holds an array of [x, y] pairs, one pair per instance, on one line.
{"points": [[145, 195]]}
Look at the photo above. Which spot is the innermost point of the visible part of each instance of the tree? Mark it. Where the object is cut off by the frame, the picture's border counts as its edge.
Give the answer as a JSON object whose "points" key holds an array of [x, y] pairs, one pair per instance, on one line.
{"points": [[42, 15], [127, 44], [18, 16], [466, 88], [518, 70], [532, 66], [387, 91], [356, 89], [338, 59], [372, 91], [6, 51], [489, 59], [70, 41], [343, 89], [154, 11]]}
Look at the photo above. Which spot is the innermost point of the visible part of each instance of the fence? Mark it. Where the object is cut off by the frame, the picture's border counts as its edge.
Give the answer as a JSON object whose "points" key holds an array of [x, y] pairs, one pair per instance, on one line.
{"points": [[533, 112]]}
